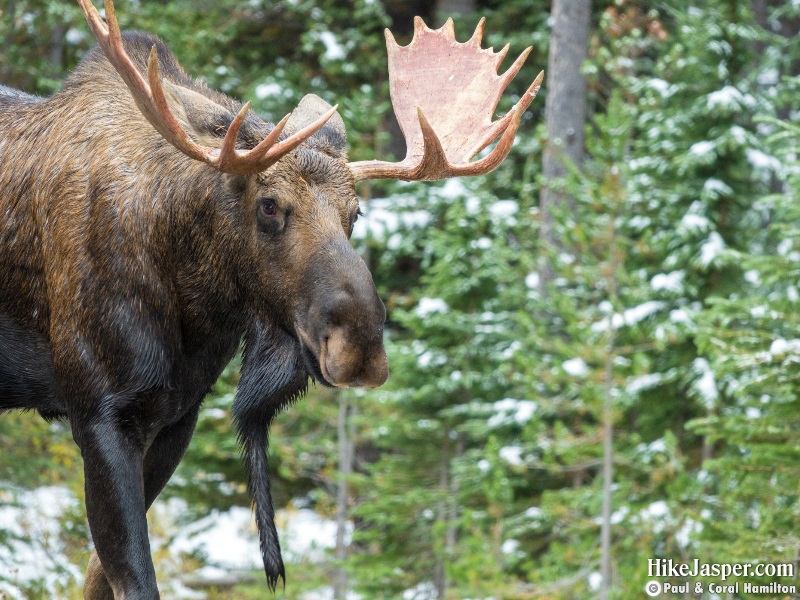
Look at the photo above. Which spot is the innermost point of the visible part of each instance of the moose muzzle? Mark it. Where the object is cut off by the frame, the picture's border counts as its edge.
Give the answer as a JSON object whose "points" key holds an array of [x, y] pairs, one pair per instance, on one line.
{"points": [[342, 330]]}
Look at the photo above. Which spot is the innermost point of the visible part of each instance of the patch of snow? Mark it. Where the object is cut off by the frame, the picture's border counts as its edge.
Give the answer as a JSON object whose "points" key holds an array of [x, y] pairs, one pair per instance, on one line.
{"points": [[504, 209], [532, 281], [672, 282], [768, 77], [534, 512], [727, 97], [394, 241], [706, 384], [643, 382], [657, 510], [333, 49], [268, 90], [509, 546], [229, 539], [638, 313], [639, 222], [512, 455], [618, 516], [630, 316], [752, 412], [74, 36], [327, 593], [215, 413], [687, 531], [305, 535], [717, 187], [752, 276], [701, 149], [422, 591], [781, 346], [452, 188], [512, 349], [382, 219], [594, 580], [692, 221], [576, 367], [34, 550], [510, 411], [762, 161], [427, 306], [660, 86], [680, 316], [429, 357], [712, 248]]}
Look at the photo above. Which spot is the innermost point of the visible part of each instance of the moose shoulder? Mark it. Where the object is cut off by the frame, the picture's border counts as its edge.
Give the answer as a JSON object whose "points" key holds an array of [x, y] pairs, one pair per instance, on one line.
{"points": [[149, 224]]}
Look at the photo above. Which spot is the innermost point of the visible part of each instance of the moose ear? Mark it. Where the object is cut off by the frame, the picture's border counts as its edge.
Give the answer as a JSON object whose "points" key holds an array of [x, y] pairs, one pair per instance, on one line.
{"points": [[332, 134], [205, 119]]}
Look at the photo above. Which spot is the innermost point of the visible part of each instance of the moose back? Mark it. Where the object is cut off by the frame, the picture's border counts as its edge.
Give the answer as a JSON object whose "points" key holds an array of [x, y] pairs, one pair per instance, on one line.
{"points": [[149, 224]]}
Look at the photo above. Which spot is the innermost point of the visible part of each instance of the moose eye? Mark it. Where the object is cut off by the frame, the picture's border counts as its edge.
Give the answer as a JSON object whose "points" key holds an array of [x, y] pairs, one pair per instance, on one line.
{"points": [[267, 207], [353, 220]]}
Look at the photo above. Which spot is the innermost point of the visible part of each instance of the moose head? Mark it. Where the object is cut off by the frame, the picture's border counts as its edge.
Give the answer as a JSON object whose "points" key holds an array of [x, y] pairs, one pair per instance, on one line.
{"points": [[299, 187]]}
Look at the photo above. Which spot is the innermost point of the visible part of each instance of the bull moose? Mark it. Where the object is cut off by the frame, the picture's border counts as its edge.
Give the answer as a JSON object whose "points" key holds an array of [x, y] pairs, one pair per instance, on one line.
{"points": [[149, 224]]}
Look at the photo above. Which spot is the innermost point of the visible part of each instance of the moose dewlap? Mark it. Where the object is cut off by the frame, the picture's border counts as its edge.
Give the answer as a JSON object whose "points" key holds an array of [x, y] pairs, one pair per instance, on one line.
{"points": [[148, 224]]}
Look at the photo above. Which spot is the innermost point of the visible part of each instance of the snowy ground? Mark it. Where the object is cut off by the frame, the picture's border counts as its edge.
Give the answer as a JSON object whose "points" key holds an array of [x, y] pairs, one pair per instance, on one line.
{"points": [[31, 550]]}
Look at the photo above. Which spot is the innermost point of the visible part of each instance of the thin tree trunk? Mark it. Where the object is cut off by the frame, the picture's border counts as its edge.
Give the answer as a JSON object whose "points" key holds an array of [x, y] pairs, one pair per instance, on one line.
{"points": [[449, 8], [57, 47], [439, 571], [452, 530], [342, 495], [565, 112], [615, 260], [608, 452], [11, 9]]}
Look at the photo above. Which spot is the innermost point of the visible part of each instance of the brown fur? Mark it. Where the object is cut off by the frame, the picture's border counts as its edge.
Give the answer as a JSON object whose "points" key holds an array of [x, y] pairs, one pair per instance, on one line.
{"points": [[131, 272]]}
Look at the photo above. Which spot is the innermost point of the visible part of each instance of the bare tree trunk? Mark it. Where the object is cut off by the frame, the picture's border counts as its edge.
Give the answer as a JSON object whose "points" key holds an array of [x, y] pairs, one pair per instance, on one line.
{"points": [[57, 47], [439, 571], [10, 11], [342, 494], [450, 8], [565, 110]]}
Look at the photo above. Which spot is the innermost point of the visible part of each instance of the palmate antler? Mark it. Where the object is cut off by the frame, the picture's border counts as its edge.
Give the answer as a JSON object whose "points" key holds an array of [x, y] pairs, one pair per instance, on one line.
{"points": [[152, 101], [444, 94]]}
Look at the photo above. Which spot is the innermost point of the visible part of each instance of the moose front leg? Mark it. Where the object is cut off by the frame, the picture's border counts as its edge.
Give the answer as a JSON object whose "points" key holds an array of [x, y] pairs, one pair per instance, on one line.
{"points": [[115, 505], [160, 462]]}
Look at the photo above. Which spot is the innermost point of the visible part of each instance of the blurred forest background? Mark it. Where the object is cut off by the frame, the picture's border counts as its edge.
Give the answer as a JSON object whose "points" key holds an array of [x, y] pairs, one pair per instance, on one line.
{"points": [[649, 289]]}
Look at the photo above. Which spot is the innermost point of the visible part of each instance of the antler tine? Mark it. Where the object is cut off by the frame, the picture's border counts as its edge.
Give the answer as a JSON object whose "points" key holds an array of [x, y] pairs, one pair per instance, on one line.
{"points": [[267, 152], [446, 115], [478, 35], [500, 56], [514, 68], [151, 99]]}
